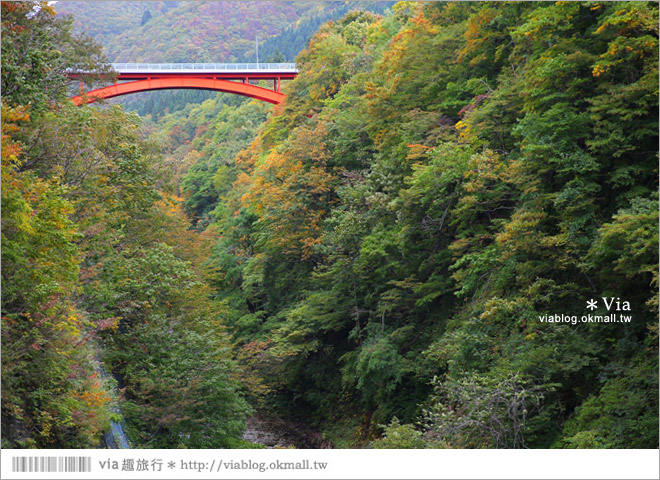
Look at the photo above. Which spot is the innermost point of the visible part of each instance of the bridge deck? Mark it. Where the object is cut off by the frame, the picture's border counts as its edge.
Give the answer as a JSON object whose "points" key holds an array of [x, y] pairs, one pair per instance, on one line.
{"points": [[204, 68]]}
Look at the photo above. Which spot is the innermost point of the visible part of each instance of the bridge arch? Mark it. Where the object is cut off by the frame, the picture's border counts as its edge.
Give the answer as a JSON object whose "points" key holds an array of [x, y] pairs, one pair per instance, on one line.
{"points": [[181, 82]]}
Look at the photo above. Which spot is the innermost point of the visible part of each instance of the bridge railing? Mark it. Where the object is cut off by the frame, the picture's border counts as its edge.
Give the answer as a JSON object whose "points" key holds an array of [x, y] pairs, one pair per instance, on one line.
{"points": [[195, 67]]}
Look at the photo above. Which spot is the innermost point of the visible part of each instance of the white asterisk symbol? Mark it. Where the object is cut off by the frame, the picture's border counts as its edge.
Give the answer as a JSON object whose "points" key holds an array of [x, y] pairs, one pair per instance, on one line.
{"points": [[592, 304]]}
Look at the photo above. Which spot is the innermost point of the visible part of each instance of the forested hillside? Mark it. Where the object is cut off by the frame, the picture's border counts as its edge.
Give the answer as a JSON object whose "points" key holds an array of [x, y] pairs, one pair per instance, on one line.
{"points": [[103, 21], [439, 182], [99, 264], [446, 236]]}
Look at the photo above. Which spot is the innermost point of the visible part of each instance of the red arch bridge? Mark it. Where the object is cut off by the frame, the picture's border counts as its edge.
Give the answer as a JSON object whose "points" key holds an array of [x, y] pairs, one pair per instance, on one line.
{"points": [[237, 78]]}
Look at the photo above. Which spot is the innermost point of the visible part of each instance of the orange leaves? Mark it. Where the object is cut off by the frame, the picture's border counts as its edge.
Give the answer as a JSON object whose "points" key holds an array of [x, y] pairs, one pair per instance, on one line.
{"points": [[290, 189], [170, 205], [416, 151], [624, 51], [91, 407], [11, 117], [631, 19], [477, 36], [10, 6], [91, 399]]}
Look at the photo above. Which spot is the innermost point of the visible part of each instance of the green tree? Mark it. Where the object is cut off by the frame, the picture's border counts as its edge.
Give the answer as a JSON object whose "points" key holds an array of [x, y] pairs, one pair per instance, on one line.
{"points": [[38, 49], [146, 16]]}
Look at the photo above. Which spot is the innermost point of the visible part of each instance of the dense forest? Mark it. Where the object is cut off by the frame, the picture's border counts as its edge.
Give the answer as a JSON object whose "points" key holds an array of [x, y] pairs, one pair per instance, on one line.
{"points": [[446, 236]]}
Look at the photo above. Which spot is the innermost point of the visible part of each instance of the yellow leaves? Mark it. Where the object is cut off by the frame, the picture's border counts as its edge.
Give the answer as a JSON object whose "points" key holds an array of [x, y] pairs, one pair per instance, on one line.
{"points": [[598, 70], [170, 205], [460, 245], [463, 130], [600, 29], [242, 179], [47, 8], [70, 327], [46, 420], [13, 115], [494, 307], [520, 233]]}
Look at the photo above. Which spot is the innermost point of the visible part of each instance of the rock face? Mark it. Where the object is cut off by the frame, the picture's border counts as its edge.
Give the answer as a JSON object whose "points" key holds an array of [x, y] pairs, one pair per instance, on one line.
{"points": [[276, 432], [260, 431]]}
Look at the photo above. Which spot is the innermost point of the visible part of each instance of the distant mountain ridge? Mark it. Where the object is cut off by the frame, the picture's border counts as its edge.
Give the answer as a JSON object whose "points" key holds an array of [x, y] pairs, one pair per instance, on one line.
{"points": [[189, 32], [210, 31]]}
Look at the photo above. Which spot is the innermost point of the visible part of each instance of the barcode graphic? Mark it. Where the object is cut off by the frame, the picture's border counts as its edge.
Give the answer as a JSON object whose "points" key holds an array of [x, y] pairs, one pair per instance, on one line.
{"points": [[51, 464]]}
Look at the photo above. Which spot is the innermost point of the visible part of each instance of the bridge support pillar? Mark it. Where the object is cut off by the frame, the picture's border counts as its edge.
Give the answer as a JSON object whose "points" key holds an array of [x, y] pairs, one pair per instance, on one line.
{"points": [[81, 87]]}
